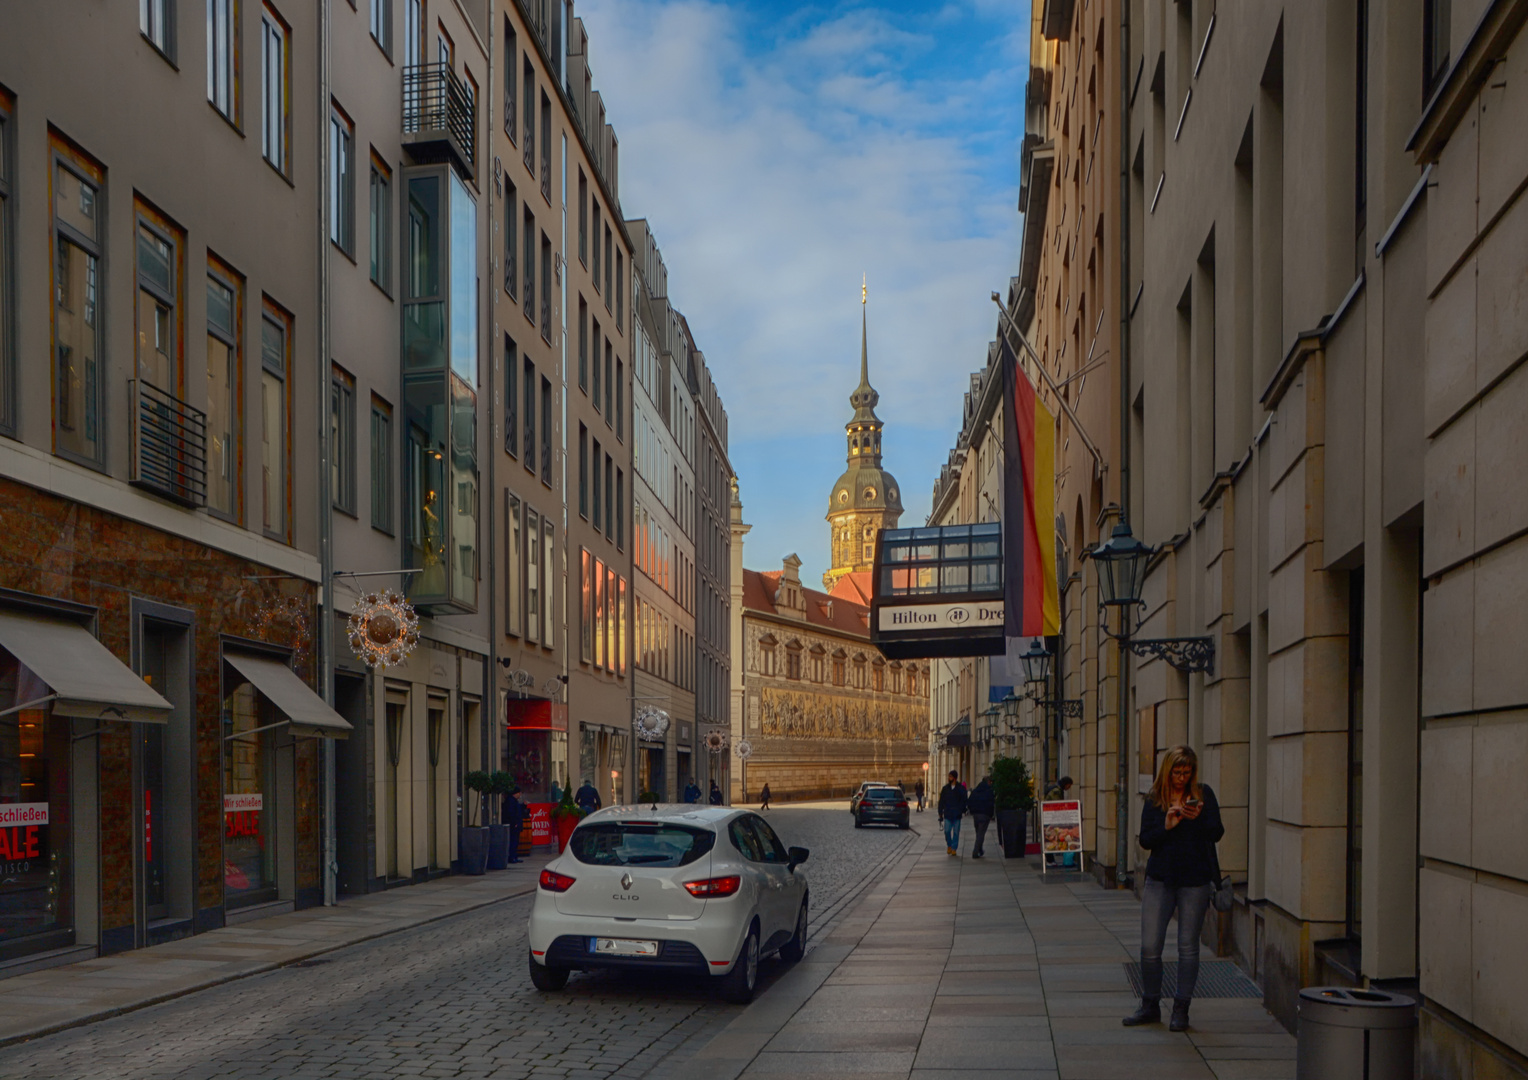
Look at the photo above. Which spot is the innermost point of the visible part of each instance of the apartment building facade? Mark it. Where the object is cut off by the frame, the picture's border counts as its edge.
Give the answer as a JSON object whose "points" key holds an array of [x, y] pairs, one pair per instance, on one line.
{"points": [[714, 484], [160, 738], [259, 361], [663, 523]]}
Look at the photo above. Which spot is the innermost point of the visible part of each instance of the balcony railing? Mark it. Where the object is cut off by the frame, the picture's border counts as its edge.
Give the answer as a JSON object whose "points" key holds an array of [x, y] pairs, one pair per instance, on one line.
{"points": [[439, 116], [169, 445]]}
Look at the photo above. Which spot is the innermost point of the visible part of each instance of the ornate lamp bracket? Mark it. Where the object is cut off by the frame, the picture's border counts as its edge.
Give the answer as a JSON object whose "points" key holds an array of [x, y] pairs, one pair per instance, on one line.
{"points": [[1071, 709], [1188, 654]]}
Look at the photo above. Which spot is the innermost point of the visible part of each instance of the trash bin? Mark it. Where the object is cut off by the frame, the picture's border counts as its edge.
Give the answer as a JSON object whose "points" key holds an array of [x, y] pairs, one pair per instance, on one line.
{"points": [[1355, 1034]]}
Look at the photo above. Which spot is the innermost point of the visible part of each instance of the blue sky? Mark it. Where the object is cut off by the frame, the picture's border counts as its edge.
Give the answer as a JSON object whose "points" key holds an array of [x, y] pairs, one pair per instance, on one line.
{"points": [[781, 151]]}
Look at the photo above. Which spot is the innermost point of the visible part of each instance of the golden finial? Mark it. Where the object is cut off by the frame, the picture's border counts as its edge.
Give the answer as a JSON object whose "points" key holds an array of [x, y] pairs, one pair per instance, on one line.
{"points": [[863, 292]]}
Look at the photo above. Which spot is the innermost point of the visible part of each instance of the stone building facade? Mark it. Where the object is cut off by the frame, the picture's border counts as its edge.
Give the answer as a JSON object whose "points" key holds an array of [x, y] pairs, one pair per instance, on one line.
{"points": [[1320, 234], [822, 709]]}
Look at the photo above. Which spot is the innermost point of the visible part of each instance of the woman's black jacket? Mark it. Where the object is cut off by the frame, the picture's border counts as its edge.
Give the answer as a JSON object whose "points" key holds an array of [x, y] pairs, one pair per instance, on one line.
{"points": [[1184, 855]]}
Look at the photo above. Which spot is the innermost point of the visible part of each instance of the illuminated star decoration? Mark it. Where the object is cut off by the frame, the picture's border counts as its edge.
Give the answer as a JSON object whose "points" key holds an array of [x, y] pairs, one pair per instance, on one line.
{"points": [[383, 628]]}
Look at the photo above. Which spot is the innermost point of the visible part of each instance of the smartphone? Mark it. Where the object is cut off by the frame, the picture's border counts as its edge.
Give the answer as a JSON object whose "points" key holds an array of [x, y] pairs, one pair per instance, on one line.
{"points": [[1191, 802]]}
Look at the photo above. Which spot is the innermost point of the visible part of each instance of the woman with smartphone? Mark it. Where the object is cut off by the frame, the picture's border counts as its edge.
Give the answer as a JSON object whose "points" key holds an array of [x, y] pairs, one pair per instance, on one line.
{"points": [[1180, 825]]}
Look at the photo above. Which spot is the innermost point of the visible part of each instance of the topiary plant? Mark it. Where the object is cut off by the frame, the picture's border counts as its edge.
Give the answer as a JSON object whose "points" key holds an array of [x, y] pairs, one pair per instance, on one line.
{"points": [[1012, 786], [480, 781]]}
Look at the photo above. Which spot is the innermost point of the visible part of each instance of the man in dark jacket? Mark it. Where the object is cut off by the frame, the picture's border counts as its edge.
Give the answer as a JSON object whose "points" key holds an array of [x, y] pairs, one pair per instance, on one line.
{"points": [[513, 815], [587, 798], [982, 804], [952, 807], [692, 792], [716, 794]]}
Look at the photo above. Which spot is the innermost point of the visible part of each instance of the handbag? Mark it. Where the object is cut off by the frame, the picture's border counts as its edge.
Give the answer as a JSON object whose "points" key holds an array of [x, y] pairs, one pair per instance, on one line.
{"points": [[1221, 893]]}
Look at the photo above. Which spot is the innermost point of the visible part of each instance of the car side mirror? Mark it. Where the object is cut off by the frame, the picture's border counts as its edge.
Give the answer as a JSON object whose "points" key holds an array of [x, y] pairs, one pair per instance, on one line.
{"points": [[798, 855]]}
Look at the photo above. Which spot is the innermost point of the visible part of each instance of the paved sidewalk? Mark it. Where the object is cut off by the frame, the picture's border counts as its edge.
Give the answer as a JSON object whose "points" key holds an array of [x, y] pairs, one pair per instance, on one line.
{"points": [[62, 997], [964, 968]]}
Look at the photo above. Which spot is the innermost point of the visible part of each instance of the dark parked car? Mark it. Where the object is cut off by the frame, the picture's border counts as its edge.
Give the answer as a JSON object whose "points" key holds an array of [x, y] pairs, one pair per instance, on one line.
{"points": [[882, 806], [854, 800]]}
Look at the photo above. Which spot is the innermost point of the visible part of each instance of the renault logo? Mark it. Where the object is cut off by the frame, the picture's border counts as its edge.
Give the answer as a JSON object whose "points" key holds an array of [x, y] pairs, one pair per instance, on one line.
{"points": [[626, 881]]}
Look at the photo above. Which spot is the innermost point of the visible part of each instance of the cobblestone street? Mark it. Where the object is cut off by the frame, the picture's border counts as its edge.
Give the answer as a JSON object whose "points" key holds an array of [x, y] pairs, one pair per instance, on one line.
{"points": [[451, 998]]}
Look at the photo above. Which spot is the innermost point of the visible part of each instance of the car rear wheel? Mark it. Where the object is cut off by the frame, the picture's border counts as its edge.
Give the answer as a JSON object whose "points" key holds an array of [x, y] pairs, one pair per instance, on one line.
{"points": [[738, 984], [544, 977], [859, 822], [794, 949]]}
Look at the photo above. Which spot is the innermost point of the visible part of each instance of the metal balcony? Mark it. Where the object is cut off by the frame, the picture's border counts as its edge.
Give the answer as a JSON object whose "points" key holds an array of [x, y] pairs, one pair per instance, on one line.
{"points": [[168, 444], [439, 117]]}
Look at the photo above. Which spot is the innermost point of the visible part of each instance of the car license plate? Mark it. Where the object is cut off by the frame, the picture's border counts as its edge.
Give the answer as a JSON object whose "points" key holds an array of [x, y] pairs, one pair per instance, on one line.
{"points": [[622, 947]]}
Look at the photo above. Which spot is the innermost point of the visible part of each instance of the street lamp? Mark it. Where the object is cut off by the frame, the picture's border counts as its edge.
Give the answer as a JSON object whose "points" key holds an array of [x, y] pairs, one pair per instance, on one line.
{"points": [[1121, 562], [1036, 662]]}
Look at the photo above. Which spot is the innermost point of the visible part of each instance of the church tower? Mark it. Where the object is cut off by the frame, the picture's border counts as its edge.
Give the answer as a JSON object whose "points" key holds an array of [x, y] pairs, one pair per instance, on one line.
{"points": [[865, 499]]}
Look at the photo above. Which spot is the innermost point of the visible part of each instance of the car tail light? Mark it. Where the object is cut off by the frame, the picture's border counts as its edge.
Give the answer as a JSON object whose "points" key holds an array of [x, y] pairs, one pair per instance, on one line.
{"points": [[552, 881], [714, 887], [902, 805]]}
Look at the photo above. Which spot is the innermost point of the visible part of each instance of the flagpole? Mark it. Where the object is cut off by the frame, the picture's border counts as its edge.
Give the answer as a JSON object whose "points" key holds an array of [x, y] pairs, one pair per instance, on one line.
{"points": [[1082, 432]]}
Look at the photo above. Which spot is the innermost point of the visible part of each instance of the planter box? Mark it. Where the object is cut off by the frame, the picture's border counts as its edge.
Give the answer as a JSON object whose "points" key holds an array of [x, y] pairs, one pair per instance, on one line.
{"points": [[498, 847], [472, 843], [1012, 833]]}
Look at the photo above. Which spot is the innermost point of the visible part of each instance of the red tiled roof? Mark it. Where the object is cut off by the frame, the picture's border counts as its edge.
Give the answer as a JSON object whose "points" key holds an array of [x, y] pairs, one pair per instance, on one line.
{"points": [[854, 586], [830, 612]]}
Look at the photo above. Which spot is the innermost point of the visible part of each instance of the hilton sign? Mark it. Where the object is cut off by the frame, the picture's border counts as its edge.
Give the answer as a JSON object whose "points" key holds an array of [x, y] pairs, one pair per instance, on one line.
{"points": [[940, 616]]}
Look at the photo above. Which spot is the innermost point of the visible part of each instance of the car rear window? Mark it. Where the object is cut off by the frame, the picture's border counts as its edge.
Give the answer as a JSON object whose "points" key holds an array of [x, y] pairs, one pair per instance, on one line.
{"points": [[888, 794], [620, 843]]}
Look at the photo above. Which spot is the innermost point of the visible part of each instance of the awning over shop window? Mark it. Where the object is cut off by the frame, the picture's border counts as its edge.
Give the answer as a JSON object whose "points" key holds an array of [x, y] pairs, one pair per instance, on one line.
{"points": [[90, 682], [960, 734], [291, 697]]}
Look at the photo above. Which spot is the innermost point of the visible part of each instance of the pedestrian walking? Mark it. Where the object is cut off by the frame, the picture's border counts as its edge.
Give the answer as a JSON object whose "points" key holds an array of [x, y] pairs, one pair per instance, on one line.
{"points": [[1180, 825], [716, 794], [1060, 789], [982, 804], [764, 797], [692, 791], [512, 813], [918, 791], [952, 807], [587, 798]]}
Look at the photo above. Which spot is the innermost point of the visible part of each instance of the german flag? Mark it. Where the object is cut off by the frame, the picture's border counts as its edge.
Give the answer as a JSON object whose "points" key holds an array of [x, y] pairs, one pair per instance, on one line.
{"points": [[1030, 605]]}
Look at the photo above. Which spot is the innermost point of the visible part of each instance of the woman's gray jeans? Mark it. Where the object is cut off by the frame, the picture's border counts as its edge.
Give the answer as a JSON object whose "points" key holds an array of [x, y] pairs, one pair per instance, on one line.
{"points": [[1158, 902]]}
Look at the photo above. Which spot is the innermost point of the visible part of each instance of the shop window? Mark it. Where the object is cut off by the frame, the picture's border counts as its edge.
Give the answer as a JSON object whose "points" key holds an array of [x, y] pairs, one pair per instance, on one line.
{"points": [[36, 867], [249, 798]]}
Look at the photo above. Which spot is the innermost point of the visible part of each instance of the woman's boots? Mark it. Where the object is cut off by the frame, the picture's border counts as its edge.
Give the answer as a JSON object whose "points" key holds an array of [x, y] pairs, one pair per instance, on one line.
{"points": [[1150, 1012]]}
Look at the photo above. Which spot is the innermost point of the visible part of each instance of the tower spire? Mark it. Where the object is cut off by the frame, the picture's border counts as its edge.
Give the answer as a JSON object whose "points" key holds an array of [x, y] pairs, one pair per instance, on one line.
{"points": [[864, 399]]}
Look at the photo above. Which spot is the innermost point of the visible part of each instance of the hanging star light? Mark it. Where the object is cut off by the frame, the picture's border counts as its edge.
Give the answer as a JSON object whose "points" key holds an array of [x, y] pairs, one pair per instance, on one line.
{"points": [[716, 741], [743, 749], [383, 628], [651, 723]]}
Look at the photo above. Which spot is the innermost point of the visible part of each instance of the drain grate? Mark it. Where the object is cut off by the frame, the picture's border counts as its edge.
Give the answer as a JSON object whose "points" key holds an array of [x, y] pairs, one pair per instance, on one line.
{"points": [[1217, 979]]}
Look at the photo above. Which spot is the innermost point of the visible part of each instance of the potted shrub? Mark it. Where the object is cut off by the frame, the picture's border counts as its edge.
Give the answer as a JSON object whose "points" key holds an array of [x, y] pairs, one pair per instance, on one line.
{"points": [[1013, 792], [565, 816], [500, 784], [472, 840]]}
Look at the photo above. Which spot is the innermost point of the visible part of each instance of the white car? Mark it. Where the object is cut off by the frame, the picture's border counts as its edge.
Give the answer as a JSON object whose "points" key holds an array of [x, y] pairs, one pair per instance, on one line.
{"points": [[676, 888]]}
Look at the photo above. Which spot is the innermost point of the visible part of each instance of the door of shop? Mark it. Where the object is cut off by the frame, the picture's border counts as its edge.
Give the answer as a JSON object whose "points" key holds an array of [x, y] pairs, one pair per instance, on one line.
{"points": [[163, 782]]}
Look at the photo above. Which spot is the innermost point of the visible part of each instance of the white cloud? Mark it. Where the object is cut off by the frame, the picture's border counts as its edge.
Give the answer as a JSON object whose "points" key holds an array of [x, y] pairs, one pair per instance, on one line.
{"points": [[778, 159]]}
